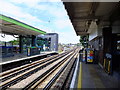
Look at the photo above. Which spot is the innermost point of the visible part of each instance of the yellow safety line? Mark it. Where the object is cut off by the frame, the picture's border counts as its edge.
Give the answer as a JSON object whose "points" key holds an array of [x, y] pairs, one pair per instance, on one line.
{"points": [[80, 77], [104, 63], [109, 66]]}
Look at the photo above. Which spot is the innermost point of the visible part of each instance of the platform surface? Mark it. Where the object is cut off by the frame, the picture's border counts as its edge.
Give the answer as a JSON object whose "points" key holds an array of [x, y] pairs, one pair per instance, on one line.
{"points": [[93, 76]]}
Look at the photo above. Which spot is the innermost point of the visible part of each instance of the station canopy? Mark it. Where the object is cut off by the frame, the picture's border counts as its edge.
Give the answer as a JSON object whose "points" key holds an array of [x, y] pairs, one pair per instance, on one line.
{"points": [[11, 26], [82, 14]]}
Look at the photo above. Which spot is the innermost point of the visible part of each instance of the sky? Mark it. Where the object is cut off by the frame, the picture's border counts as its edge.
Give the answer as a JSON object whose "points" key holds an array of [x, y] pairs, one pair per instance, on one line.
{"points": [[47, 15]]}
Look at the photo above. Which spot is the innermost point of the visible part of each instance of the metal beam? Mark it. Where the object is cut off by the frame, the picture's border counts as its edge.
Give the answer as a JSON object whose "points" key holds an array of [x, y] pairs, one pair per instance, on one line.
{"points": [[81, 33], [77, 19], [9, 24], [83, 30], [81, 27], [94, 8]]}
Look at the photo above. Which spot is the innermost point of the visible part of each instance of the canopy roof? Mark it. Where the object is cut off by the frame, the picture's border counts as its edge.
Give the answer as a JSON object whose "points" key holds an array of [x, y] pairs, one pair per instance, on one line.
{"points": [[82, 14], [9, 25]]}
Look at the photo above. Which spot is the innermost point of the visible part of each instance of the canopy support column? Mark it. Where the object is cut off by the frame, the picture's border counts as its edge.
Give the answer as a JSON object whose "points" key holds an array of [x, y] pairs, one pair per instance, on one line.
{"points": [[33, 40], [21, 43]]}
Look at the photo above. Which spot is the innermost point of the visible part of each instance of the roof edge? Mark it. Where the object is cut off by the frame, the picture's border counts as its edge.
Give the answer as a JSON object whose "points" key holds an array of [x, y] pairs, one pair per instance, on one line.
{"points": [[11, 20]]}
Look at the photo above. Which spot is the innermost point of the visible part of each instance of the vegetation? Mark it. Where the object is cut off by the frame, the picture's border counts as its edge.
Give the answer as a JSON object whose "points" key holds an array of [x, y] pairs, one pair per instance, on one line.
{"points": [[84, 40], [15, 42]]}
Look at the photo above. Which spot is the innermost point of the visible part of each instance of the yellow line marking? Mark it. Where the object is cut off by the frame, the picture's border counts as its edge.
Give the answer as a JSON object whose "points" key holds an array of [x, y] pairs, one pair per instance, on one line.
{"points": [[104, 63], [109, 66], [80, 77]]}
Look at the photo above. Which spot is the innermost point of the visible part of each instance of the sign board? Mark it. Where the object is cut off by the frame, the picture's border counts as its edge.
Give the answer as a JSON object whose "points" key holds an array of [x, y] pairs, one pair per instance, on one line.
{"points": [[90, 56]]}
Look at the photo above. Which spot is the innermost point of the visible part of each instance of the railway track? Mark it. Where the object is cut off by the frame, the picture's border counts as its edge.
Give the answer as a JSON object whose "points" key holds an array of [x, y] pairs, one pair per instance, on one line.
{"points": [[58, 80], [16, 71], [39, 74]]}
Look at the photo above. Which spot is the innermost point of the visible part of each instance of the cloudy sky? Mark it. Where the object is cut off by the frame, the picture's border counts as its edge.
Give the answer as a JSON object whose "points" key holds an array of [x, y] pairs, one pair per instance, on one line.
{"points": [[43, 14]]}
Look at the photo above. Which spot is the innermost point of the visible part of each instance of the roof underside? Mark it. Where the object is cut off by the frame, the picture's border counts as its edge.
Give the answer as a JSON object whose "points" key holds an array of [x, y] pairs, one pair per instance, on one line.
{"points": [[82, 14], [11, 26]]}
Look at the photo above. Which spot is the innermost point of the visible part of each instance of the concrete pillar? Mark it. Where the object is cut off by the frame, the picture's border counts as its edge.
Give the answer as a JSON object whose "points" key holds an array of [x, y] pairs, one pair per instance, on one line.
{"points": [[107, 39], [107, 49], [33, 40]]}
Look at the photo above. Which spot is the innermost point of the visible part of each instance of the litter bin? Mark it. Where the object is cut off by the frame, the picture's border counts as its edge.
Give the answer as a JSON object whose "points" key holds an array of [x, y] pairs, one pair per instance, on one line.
{"points": [[107, 63]]}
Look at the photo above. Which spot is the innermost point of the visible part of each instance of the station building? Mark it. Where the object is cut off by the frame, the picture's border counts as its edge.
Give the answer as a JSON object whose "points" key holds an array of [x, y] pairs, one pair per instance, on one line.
{"points": [[52, 41], [28, 43], [101, 21]]}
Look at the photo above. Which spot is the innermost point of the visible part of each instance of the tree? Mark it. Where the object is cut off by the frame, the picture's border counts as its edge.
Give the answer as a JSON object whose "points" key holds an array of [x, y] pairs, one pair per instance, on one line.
{"points": [[84, 40], [15, 42]]}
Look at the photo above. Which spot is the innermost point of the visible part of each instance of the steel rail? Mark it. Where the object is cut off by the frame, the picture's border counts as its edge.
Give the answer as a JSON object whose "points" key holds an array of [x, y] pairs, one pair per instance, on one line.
{"points": [[26, 74], [27, 67], [47, 73], [58, 74]]}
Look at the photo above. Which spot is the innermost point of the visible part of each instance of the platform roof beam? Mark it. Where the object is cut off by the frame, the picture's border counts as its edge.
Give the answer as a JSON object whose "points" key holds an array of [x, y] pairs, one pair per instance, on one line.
{"points": [[84, 13]]}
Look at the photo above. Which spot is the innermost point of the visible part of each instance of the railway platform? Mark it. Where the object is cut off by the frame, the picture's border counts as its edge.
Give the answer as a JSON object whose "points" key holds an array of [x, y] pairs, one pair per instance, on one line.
{"points": [[93, 76], [61, 71], [98, 25], [44, 73], [18, 57]]}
